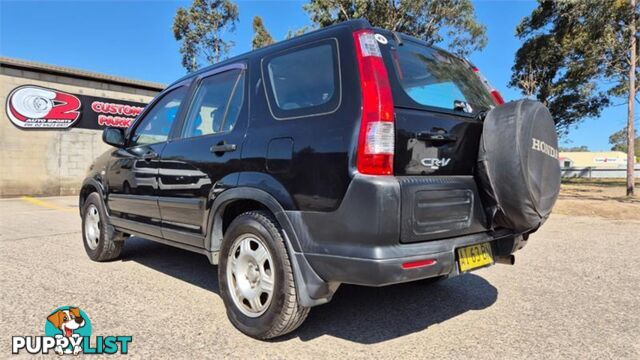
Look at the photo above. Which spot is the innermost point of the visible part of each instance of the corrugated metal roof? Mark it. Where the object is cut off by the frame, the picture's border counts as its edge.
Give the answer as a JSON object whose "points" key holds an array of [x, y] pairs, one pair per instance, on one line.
{"points": [[89, 75]]}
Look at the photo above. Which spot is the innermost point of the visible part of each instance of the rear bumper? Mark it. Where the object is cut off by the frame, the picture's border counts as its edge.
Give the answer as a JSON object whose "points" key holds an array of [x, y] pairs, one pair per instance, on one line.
{"points": [[387, 271], [384, 222]]}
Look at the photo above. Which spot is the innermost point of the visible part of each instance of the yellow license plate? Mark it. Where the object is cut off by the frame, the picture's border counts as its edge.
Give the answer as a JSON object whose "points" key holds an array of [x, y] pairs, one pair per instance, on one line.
{"points": [[474, 256]]}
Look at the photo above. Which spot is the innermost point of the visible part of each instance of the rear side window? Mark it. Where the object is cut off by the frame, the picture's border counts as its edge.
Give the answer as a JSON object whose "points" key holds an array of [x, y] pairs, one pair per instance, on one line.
{"points": [[216, 104], [432, 77], [303, 81]]}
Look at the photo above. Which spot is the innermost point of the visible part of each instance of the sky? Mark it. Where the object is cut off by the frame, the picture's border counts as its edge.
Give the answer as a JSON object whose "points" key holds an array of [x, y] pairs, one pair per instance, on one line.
{"points": [[133, 39]]}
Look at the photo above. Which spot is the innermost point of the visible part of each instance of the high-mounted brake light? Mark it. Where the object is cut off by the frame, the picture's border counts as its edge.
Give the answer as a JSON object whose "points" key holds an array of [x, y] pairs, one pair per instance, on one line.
{"points": [[497, 98], [376, 139]]}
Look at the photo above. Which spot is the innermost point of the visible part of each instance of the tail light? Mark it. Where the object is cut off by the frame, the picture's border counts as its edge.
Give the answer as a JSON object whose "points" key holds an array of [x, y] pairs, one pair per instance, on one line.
{"points": [[497, 98], [376, 139]]}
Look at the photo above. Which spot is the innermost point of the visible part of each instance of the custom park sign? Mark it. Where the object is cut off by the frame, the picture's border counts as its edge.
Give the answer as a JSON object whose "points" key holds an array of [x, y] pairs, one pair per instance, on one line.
{"points": [[32, 107]]}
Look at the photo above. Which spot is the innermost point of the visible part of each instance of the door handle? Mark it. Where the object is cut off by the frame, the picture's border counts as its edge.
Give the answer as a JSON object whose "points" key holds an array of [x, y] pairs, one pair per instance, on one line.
{"points": [[149, 155], [436, 137], [222, 147]]}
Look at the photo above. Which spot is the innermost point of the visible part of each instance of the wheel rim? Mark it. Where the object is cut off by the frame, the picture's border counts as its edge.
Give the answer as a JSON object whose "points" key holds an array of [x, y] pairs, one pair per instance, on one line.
{"points": [[250, 275], [92, 226]]}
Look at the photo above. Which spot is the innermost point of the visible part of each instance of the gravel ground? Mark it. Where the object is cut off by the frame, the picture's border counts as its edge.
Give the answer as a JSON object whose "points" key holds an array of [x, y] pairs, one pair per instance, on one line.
{"points": [[573, 293]]}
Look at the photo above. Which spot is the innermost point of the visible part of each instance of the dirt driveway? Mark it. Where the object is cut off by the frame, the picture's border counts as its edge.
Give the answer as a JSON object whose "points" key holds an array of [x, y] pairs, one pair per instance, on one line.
{"points": [[601, 198]]}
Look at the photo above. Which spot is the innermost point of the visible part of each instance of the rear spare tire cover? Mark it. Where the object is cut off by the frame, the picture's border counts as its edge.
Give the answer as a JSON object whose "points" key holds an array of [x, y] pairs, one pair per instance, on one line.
{"points": [[518, 169]]}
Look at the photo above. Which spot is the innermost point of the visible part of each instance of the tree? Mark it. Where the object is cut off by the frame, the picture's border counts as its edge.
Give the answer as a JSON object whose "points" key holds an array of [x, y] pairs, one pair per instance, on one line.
{"points": [[618, 140], [576, 56], [261, 36], [201, 29], [631, 133], [293, 33], [429, 20], [582, 148]]}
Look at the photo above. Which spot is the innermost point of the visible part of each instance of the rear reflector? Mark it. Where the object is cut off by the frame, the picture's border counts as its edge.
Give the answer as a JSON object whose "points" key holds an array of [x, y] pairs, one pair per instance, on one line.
{"points": [[419, 263], [377, 134], [495, 94]]}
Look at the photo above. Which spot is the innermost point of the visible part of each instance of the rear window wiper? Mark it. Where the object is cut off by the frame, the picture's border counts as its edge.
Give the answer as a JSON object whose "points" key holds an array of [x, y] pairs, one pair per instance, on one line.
{"points": [[397, 37]]}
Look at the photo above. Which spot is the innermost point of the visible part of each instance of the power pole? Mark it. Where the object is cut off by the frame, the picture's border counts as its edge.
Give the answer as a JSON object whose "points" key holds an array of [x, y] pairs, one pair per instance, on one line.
{"points": [[631, 159]]}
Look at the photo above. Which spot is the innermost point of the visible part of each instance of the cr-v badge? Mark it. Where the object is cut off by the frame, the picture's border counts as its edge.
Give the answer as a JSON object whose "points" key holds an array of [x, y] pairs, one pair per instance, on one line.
{"points": [[435, 163]]}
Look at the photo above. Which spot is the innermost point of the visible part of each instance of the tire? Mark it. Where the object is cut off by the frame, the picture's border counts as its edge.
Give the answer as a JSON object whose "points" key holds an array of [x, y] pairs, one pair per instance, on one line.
{"points": [[276, 313], [101, 242]]}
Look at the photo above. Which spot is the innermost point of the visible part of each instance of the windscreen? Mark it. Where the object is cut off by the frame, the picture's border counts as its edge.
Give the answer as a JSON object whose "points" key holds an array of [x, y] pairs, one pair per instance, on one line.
{"points": [[432, 77]]}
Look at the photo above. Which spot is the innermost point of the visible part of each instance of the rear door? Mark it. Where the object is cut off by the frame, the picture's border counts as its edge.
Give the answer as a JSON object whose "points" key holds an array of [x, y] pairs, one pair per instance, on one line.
{"points": [[437, 98], [202, 159]]}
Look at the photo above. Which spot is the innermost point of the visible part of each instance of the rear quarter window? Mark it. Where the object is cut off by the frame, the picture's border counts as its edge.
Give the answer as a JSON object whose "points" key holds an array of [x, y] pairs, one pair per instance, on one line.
{"points": [[303, 81], [431, 77]]}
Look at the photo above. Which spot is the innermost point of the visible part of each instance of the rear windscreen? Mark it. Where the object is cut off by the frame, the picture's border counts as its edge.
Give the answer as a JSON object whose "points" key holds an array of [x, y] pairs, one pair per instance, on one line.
{"points": [[432, 77]]}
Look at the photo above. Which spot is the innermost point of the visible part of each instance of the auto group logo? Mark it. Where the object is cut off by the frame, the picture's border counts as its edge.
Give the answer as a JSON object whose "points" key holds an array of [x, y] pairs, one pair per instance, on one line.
{"points": [[67, 331], [33, 106]]}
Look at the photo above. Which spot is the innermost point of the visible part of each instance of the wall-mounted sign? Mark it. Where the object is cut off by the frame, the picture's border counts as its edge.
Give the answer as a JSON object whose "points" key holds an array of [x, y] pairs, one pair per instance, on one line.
{"points": [[36, 107], [609, 160]]}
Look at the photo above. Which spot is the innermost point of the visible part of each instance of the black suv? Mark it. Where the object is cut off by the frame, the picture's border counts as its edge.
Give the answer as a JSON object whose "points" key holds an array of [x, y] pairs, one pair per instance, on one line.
{"points": [[347, 155]]}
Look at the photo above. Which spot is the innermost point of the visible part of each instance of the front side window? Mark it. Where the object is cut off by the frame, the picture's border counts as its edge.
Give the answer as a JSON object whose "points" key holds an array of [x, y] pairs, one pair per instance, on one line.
{"points": [[303, 81], [157, 122], [216, 105]]}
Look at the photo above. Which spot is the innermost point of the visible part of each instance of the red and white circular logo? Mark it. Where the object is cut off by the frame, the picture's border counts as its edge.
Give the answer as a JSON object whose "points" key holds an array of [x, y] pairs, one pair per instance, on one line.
{"points": [[31, 106]]}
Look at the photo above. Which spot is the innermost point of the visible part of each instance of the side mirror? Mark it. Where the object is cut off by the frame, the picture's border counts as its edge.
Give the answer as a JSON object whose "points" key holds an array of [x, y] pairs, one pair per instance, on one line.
{"points": [[113, 137]]}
